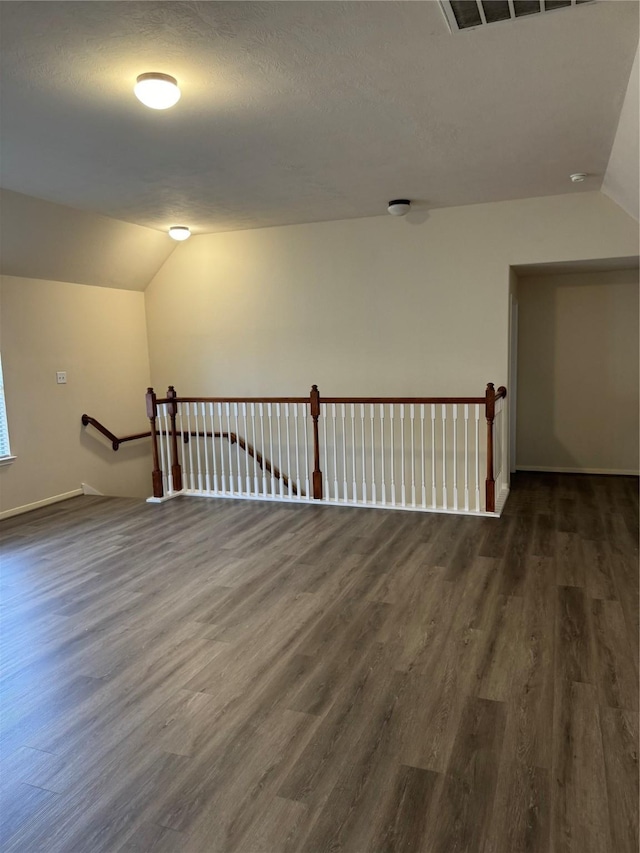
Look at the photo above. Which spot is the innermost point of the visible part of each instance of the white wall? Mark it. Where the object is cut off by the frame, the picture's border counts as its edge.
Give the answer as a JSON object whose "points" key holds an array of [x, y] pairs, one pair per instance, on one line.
{"points": [[578, 372], [98, 336], [371, 306]]}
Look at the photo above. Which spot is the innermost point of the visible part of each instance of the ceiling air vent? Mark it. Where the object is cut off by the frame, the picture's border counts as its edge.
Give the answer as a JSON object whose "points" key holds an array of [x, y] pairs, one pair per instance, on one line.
{"points": [[468, 14]]}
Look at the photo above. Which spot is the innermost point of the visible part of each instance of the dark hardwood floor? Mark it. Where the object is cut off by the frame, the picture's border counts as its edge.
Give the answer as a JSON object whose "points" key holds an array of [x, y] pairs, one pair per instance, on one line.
{"points": [[241, 677]]}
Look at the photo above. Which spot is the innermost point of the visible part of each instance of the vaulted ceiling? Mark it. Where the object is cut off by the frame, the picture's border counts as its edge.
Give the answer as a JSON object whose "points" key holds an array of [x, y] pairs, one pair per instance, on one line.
{"points": [[304, 111]]}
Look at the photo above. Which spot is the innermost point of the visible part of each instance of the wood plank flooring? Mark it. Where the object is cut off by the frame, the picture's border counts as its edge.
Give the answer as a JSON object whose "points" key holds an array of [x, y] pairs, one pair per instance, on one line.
{"points": [[235, 677]]}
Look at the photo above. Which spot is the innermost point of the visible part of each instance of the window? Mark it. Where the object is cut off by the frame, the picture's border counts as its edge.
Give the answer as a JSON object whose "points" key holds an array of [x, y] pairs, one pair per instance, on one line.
{"points": [[5, 451]]}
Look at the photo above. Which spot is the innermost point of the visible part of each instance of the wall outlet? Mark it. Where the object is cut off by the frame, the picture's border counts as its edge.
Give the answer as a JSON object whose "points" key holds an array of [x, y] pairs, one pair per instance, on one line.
{"points": [[61, 377]]}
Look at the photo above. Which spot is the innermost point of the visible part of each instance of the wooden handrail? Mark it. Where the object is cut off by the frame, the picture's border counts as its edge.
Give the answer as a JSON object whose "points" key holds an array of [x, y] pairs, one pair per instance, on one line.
{"points": [[114, 439], [390, 400], [232, 437], [404, 400], [233, 399], [501, 393]]}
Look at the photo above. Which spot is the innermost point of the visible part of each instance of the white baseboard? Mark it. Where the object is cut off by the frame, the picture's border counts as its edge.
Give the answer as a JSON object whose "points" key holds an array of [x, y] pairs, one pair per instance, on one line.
{"points": [[548, 469], [54, 499], [89, 490]]}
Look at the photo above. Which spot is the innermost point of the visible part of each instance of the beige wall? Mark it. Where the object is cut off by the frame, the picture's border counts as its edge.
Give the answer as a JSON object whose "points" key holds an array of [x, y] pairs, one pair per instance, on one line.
{"points": [[98, 336], [39, 239], [622, 178], [383, 305], [578, 371]]}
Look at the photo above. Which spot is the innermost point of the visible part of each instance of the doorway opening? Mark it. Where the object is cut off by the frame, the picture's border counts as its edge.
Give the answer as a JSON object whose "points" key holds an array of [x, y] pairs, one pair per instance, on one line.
{"points": [[574, 377]]}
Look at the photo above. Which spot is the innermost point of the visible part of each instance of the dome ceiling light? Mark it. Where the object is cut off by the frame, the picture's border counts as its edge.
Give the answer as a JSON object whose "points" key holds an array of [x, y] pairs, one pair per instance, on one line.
{"points": [[179, 232], [157, 91]]}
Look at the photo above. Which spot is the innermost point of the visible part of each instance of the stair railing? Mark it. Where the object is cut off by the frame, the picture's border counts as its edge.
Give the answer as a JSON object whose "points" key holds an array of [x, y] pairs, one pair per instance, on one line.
{"points": [[421, 453], [231, 437]]}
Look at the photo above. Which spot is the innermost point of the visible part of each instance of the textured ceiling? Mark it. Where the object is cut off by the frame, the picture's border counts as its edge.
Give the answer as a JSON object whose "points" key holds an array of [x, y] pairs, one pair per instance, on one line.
{"points": [[304, 111]]}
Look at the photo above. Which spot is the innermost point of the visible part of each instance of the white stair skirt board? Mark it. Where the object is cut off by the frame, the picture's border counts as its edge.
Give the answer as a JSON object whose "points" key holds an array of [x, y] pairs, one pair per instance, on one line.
{"points": [[549, 470], [89, 490], [500, 502], [54, 499]]}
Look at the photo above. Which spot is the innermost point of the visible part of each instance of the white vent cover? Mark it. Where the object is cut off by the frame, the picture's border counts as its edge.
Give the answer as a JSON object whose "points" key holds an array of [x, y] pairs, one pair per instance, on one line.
{"points": [[469, 14]]}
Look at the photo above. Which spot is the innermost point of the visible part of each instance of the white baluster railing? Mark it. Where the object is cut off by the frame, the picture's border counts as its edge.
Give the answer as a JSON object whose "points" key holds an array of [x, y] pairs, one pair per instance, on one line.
{"points": [[427, 454]]}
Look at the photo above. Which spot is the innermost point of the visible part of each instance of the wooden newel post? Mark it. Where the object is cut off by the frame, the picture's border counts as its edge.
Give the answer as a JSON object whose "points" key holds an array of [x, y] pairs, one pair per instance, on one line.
{"points": [[490, 412], [152, 413], [176, 470], [317, 473]]}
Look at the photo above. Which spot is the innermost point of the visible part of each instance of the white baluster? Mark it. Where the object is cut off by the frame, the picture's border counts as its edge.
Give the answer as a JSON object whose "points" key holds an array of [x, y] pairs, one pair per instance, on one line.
{"points": [[354, 488], [364, 461], [382, 459], [307, 460], [325, 417], [163, 461], [455, 455], [183, 447], [238, 466], [230, 448], [422, 469], [213, 448], [256, 450], [223, 471], [197, 429], [345, 494], [372, 414], [335, 454], [246, 456], [263, 450], [192, 482], [289, 471], [207, 478], [295, 420], [477, 413], [412, 414], [443, 414], [466, 456], [496, 448], [402, 484], [393, 453], [273, 482], [434, 497], [280, 479], [167, 438]]}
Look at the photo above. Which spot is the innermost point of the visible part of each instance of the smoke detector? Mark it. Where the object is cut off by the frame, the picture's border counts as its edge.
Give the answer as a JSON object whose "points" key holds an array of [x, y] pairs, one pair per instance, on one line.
{"points": [[399, 207]]}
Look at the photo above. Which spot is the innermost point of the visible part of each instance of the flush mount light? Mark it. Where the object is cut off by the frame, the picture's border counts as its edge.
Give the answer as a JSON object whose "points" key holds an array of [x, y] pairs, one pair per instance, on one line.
{"points": [[179, 232], [157, 91], [399, 206], [578, 177]]}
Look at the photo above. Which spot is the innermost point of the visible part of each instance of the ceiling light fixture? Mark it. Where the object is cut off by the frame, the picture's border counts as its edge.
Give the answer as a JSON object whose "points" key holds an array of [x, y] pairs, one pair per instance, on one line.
{"points": [[399, 207], [157, 91], [578, 177], [179, 232]]}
